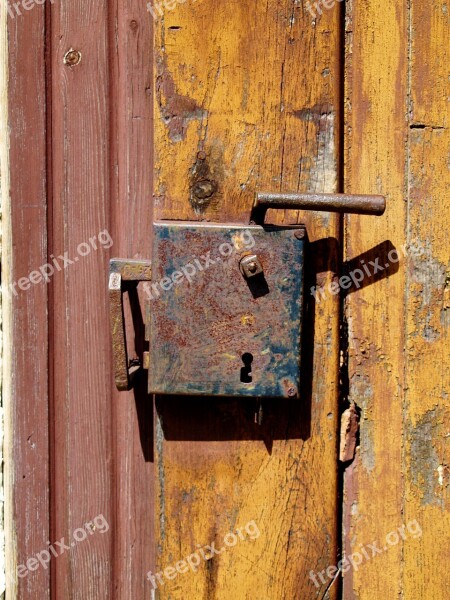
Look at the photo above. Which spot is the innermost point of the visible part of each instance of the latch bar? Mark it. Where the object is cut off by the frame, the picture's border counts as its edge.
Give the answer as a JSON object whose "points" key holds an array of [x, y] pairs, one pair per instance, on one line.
{"points": [[342, 203]]}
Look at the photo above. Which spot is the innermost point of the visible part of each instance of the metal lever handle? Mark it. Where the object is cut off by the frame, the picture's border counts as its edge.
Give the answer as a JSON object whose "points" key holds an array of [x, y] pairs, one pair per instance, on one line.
{"points": [[123, 275], [342, 203]]}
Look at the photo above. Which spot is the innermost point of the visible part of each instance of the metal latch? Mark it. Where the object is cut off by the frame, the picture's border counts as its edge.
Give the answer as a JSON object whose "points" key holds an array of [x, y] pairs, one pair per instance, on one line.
{"points": [[224, 302]]}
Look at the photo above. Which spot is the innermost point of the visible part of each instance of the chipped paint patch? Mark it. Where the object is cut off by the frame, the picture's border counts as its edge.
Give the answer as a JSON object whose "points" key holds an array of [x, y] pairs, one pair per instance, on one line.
{"points": [[425, 466], [441, 470], [426, 270], [323, 167], [428, 291], [362, 395], [176, 110], [445, 311], [367, 445]]}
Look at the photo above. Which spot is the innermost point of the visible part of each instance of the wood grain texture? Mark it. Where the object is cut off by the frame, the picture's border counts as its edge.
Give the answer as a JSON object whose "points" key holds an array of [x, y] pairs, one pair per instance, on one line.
{"points": [[376, 155], [131, 223], [247, 97], [6, 426], [427, 357], [79, 163], [397, 143], [101, 150], [25, 374], [81, 382]]}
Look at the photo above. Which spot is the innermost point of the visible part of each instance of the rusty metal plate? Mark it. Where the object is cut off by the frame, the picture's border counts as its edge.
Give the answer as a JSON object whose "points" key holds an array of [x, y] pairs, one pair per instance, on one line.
{"points": [[214, 331]]}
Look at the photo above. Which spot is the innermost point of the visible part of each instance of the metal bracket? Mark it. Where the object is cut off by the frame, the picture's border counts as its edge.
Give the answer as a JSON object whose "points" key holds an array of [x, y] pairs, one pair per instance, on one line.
{"points": [[123, 275]]}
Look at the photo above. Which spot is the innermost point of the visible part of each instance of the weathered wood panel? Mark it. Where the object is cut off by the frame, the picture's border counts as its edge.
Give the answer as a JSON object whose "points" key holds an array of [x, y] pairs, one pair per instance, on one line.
{"points": [[247, 97], [79, 162], [82, 486], [25, 369], [131, 122], [376, 130], [427, 357], [397, 143]]}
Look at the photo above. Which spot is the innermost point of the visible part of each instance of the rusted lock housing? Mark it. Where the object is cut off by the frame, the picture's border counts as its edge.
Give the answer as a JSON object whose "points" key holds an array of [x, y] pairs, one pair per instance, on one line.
{"points": [[224, 311]]}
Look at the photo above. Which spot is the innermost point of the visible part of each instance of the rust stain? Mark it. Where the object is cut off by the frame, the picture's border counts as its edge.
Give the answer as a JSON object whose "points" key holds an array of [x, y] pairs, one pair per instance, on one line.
{"points": [[362, 391], [176, 110], [201, 344]]}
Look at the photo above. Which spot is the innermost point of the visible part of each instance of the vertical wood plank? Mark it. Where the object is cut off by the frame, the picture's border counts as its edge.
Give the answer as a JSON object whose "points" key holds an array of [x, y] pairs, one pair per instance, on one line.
{"points": [[398, 90], [248, 96], [427, 356], [376, 155], [82, 444], [5, 307], [25, 368], [131, 215]]}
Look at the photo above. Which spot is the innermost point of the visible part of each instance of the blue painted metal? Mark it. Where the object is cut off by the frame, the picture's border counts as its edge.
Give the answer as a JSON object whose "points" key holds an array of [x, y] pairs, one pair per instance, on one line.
{"points": [[204, 316]]}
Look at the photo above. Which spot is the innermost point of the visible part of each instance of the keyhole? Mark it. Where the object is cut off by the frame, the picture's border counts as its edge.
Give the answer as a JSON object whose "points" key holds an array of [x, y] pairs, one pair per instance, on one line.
{"points": [[246, 370]]}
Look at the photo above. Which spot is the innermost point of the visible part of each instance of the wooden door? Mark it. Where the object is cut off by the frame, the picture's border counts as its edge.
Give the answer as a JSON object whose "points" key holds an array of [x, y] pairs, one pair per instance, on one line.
{"points": [[247, 98], [115, 111]]}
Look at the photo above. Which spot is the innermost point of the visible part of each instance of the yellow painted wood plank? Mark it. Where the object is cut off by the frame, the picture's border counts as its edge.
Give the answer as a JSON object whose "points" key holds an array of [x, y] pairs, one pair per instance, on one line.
{"points": [[247, 97], [396, 491], [376, 153], [427, 400]]}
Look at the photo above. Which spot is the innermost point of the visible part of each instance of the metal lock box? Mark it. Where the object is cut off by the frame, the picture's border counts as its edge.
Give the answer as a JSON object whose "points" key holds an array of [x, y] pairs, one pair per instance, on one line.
{"points": [[225, 302], [214, 326]]}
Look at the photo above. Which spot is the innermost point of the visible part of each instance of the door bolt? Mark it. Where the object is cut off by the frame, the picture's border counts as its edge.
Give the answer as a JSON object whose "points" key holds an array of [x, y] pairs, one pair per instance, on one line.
{"points": [[250, 266]]}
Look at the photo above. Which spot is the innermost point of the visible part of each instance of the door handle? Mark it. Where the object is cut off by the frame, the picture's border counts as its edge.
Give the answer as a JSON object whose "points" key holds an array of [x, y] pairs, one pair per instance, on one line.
{"points": [[124, 274], [341, 203], [259, 314]]}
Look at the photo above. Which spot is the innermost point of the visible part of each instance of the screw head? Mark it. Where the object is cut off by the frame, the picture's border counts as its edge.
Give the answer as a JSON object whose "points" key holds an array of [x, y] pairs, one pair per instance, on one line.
{"points": [[252, 267], [300, 233], [291, 392], [72, 57]]}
